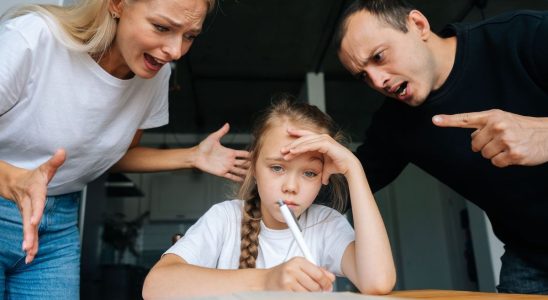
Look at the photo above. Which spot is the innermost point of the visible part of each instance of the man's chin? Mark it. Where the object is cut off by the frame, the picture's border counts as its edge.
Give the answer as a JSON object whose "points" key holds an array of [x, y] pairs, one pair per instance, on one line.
{"points": [[409, 101], [412, 101]]}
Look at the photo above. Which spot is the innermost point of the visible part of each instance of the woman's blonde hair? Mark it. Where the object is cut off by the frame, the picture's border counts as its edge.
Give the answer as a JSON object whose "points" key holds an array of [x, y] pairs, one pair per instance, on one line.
{"points": [[87, 25], [283, 109]]}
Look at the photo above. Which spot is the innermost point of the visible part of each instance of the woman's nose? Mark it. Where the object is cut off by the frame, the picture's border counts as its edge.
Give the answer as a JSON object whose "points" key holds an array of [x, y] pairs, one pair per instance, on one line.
{"points": [[176, 48]]}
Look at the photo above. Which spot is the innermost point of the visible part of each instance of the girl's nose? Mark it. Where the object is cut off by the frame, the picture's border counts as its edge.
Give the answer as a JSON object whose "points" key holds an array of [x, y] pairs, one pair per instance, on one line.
{"points": [[290, 184]]}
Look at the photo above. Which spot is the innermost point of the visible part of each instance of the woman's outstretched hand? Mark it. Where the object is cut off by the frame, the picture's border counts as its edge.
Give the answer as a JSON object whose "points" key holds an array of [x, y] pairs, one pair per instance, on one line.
{"points": [[29, 192], [218, 160]]}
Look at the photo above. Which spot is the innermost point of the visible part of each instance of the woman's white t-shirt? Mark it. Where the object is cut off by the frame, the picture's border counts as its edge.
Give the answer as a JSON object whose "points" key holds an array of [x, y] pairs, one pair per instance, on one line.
{"points": [[52, 97]]}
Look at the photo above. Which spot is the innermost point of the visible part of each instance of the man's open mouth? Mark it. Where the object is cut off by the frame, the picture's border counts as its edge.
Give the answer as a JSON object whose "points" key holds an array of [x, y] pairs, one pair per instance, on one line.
{"points": [[402, 90]]}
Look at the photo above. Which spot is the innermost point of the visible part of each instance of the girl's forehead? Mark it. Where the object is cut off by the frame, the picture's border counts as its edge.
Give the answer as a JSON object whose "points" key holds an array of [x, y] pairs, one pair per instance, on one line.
{"points": [[277, 135]]}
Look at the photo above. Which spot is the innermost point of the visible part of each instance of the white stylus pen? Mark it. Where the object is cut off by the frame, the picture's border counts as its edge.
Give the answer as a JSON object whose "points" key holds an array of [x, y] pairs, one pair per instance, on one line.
{"points": [[294, 227]]}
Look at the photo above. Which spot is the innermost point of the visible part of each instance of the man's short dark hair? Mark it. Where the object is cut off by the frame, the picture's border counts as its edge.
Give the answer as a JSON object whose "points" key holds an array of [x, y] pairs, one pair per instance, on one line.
{"points": [[393, 12]]}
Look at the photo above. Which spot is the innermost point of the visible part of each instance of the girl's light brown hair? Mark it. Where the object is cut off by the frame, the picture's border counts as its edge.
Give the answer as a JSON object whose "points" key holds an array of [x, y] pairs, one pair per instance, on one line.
{"points": [[283, 109]]}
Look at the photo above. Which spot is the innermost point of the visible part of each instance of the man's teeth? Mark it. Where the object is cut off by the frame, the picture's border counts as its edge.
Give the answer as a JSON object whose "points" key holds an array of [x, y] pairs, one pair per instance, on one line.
{"points": [[401, 90]]}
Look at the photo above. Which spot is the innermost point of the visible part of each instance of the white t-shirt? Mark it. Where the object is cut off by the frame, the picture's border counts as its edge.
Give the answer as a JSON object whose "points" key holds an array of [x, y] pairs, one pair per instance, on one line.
{"points": [[51, 97], [214, 241]]}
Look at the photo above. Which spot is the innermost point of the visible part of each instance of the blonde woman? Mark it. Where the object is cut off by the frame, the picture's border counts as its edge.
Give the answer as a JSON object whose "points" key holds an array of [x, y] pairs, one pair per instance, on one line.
{"points": [[78, 84]]}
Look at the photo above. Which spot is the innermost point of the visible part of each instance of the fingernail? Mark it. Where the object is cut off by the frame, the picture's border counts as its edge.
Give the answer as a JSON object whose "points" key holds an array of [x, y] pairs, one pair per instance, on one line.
{"points": [[437, 119], [24, 246]]}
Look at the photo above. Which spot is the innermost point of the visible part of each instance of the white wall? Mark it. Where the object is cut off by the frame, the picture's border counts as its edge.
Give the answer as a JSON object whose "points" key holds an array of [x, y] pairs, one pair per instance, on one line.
{"points": [[423, 221], [487, 249]]}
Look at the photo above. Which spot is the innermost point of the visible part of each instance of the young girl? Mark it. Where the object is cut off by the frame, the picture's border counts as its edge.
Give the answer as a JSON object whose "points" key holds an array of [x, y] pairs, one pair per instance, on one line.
{"points": [[244, 245]]}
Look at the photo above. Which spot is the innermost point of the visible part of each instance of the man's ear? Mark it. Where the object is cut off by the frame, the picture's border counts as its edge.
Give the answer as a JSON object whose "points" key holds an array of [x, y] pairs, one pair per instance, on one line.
{"points": [[116, 7], [416, 21]]}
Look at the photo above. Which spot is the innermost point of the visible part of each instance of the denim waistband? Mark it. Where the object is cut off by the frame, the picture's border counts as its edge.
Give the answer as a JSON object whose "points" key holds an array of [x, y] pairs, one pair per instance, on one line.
{"points": [[58, 209]]}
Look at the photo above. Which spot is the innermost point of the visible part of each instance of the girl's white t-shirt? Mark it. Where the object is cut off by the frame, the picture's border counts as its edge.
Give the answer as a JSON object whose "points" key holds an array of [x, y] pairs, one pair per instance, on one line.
{"points": [[52, 97], [214, 240]]}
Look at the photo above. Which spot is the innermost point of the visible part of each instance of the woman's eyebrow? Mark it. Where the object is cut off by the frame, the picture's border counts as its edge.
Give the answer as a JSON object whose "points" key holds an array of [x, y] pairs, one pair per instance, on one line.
{"points": [[176, 24]]}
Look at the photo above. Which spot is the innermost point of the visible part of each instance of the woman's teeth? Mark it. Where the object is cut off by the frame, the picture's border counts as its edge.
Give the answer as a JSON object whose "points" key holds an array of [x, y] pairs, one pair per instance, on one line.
{"points": [[153, 60]]}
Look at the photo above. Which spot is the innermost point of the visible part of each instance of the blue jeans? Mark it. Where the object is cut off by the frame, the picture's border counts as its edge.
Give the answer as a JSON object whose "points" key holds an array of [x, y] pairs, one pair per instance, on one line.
{"points": [[55, 271], [523, 273]]}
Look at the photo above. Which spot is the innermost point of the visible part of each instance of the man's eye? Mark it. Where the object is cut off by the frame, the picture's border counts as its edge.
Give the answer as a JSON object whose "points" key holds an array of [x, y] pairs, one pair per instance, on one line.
{"points": [[362, 76], [378, 57], [310, 174], [160, 28]]}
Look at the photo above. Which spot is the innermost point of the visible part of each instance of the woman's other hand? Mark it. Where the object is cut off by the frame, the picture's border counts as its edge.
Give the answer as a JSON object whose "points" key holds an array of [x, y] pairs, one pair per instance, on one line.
{"points": [[214, 158], [29, 189]]}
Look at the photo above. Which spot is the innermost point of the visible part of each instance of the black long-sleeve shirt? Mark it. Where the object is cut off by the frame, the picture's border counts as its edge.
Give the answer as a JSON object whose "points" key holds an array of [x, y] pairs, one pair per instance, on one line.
{"points": [[500, 63]]}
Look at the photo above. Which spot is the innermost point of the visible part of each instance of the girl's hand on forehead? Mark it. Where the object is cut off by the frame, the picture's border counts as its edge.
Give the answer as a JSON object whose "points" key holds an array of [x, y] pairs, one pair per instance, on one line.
{"points": [[337, 158]]}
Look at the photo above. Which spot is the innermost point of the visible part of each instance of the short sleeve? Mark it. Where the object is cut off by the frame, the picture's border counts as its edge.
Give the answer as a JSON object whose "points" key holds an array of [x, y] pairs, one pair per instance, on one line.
{"points": [[338, 235], [202, 243], [15, 65]]}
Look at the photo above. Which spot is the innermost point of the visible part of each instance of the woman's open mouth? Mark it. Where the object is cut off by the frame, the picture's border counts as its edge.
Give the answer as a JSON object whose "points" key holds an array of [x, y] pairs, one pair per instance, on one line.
{"points": [[152, 63]]}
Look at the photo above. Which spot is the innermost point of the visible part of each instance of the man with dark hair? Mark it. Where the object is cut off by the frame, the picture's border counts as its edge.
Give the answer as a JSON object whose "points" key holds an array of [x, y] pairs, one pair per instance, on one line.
{"points": [[493, 77]]}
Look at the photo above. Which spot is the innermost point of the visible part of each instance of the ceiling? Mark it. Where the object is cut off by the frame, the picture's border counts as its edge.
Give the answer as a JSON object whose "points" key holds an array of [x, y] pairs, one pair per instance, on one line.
{"points": [[251, 50]]}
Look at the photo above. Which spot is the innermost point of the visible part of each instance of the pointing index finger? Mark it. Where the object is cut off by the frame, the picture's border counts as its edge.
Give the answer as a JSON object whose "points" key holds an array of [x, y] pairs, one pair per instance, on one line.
{"points": [[465, 120]]}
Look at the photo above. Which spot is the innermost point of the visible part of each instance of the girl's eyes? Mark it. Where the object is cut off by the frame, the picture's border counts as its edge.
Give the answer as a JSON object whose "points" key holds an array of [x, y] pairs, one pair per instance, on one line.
{"points": [[160, 28], [279, 169], [276, 169], [310, 174]]}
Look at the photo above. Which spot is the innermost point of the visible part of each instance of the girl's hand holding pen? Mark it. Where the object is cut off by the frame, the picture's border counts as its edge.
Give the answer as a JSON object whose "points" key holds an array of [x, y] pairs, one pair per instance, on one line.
{"points": [[338, 159], [299, 275]]}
